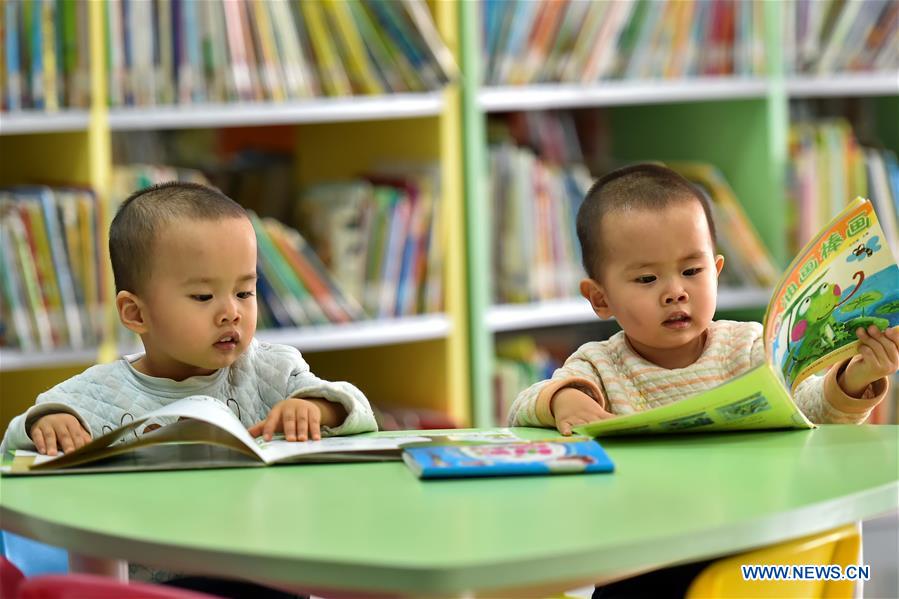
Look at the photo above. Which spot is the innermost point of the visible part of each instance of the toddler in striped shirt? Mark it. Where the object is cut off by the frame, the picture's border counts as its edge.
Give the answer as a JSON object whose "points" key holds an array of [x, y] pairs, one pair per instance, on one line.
{"points": [[648, 246]]}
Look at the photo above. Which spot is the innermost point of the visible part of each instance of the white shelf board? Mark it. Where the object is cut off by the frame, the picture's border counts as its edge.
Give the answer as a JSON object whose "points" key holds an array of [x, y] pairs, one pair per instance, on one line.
{"points": [[741, 298], [844, 85], [13, 359], [38, 121], [369, 333], [316, 110], [361, 334], [619, 93], [511, 317]]}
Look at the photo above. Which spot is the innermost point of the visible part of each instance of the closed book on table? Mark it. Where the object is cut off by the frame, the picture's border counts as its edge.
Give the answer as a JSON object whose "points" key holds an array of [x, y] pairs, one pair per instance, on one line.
{"points": [[553, 456]]}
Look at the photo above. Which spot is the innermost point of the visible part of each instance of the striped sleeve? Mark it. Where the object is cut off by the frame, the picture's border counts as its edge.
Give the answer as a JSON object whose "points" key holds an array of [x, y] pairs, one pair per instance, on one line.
{"points": [[532, 406]]}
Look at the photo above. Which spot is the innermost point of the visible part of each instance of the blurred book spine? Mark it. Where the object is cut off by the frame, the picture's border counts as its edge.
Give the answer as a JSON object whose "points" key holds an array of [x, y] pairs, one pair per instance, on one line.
{"points": [[566, 41], [836, 36], [53, 263], [380, 236], [828, 168]]}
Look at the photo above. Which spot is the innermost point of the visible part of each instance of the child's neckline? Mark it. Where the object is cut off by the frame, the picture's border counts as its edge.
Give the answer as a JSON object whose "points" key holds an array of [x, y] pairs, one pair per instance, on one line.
{"points": [[705, 346]]}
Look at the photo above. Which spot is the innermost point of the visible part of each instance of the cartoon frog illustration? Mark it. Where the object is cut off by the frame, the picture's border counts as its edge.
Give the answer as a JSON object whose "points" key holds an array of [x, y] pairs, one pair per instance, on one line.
{"points": [[816, 330]]}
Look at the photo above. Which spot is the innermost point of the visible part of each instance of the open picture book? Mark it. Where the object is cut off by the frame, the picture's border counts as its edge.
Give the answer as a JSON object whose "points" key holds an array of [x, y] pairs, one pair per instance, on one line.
{"points": [[843, 279], [207, 434]]}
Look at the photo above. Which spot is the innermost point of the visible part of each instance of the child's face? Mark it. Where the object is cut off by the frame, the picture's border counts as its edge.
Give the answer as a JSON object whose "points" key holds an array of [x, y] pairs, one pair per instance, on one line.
{"points": [[199, 306], [659, 280]]}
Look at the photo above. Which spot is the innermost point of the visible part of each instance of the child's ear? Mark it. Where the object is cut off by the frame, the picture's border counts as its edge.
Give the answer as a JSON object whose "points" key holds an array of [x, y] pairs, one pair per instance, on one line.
{"points": [[719, 263], [594, 293], [131, 313]]}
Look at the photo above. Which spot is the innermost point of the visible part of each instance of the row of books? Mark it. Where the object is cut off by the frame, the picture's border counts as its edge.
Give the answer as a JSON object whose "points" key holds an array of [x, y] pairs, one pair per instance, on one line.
{"points": [[44, 55], [163, 52], [536, 255], [294, 287], [524, 41], [53, 264], [829, 167], [538, 180], [381, 237], [827, 36]]}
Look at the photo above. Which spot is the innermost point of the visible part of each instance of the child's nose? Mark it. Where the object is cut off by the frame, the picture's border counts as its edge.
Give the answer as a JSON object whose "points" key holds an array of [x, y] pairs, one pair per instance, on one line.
{"points": [[229, 313], [675, 296]]}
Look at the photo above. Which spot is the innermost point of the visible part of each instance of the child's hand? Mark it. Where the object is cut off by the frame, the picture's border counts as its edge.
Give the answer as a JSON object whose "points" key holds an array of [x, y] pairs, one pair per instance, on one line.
{"points": [[300, 419], [572, 407], [60, 430], [878, 357]]}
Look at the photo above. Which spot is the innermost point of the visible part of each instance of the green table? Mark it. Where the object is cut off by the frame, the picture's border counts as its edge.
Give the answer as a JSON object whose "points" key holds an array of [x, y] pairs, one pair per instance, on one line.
{"points": [[375, 527]]}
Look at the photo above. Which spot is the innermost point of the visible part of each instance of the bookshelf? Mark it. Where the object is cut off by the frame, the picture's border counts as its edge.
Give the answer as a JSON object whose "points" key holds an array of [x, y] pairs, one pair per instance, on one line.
{"points": [[739, 123], [409, 126]]}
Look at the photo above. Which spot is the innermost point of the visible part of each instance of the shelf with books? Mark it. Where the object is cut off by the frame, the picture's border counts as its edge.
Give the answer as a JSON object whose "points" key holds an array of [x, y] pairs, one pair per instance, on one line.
{"points": [[843, 85], [37, 121], [635, 108], [335, 136], [619, 93], [318, 110]]}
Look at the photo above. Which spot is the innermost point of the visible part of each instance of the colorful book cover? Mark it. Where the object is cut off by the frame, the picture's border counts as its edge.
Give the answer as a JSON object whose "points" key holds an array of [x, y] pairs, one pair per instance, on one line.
{"points": [[551, 456], [845, 278]]}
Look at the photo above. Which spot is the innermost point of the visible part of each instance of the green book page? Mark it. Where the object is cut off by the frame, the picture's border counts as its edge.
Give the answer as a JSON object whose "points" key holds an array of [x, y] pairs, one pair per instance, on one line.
{"points": [[755, 400]]}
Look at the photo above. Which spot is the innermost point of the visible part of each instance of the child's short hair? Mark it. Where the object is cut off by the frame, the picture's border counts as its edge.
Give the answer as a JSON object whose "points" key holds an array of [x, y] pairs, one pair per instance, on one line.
{"points": [[644, 186], [140, 218]]}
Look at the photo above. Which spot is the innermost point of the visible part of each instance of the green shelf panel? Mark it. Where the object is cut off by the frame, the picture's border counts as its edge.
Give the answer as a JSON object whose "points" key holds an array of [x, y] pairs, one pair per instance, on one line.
{"points": [[477, 219], [735, 135]]}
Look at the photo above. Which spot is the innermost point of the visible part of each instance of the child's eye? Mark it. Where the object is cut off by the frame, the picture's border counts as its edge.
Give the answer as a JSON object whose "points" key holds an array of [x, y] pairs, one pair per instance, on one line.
{"points": [[645, 279], [692, 272], [246, 294], [201, 298]]}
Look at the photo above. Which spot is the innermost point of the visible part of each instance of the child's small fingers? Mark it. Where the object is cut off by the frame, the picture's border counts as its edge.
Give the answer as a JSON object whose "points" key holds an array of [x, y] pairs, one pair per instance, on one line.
{"points": [[256, 428], [302, 425], [38, 438], [289, 421], [64, 440], [315, 424], [892, 333], [272, 422], [50, 440], [877, 345], [73, 429], [565, 428]]}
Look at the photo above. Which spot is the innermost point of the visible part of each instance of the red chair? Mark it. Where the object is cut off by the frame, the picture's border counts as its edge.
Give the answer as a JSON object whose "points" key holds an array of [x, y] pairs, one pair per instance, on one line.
{"points": [[87, 586], [10, 578], [14, 585]]}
